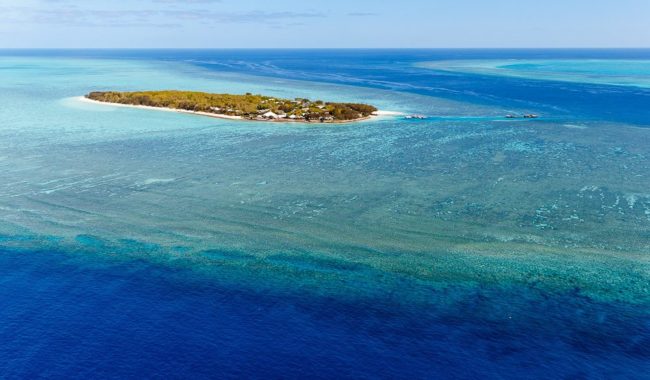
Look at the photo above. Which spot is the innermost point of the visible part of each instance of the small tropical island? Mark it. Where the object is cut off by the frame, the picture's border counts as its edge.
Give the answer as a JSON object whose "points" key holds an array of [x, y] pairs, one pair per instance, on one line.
{"points": [[244, 107]]}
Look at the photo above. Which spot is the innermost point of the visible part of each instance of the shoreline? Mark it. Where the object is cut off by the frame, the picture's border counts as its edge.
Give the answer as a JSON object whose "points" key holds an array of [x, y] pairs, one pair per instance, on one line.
{"points": [[238, 118]]}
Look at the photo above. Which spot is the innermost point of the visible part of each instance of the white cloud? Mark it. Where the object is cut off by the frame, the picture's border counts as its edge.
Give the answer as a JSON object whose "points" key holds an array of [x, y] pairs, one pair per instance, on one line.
{"points": [[83, 17]]}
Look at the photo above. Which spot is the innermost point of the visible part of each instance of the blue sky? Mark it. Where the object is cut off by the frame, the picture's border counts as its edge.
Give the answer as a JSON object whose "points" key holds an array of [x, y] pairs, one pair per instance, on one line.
{"points": [[319, 24]]}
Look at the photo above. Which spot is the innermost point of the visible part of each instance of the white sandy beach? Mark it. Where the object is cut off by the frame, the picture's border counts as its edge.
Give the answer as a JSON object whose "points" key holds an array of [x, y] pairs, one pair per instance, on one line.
{"points": [[387, 113], [86, 100]]}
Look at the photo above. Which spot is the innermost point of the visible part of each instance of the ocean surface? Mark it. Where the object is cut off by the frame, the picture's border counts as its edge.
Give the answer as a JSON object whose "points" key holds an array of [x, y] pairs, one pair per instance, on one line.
{"points": [[145, 244]]}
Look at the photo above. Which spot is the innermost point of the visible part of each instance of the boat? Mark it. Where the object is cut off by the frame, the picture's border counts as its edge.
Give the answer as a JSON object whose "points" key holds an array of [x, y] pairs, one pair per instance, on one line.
{"points": [[526, 116]]}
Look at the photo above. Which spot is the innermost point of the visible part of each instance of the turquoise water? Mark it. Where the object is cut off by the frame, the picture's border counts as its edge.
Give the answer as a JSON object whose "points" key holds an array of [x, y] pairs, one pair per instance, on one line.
{"points": [[459, 246], [619, 72]]}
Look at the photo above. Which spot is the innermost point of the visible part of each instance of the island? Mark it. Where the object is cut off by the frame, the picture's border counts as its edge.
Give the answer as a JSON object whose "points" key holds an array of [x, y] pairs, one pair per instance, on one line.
{"points": [[244, 107]]}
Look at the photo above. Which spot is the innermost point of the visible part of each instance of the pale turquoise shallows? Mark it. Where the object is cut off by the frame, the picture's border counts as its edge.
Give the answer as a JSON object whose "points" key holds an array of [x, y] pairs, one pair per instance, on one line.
{"points": [[618, 72], [464, 197]]}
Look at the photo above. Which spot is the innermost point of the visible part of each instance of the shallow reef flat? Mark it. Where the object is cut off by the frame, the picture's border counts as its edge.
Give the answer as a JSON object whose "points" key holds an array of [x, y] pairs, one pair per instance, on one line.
{"points": [[618, 72], [388, 194], [535, 203]]}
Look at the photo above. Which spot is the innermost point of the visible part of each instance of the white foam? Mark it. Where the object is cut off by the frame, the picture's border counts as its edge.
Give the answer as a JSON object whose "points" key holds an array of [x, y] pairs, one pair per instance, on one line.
{"points": [[387, 113], [153, 181]]}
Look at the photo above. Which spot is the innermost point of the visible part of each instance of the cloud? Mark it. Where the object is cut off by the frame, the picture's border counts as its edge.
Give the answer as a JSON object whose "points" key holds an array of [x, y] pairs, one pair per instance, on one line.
{"points": [[362, 14], [186, 1], [79, 17]]}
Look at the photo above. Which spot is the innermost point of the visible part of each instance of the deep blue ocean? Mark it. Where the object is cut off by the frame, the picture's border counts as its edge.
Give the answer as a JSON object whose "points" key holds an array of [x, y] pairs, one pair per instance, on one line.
{"points": [[144, 244]]}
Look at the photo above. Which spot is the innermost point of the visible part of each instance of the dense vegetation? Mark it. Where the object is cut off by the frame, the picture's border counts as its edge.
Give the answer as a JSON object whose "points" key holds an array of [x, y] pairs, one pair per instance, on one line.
{"points": [[249, 106]]}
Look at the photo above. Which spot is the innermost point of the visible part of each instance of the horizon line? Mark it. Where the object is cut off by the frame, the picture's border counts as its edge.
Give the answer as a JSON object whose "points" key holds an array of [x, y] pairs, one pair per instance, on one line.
{"points": [[327, 48]]}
